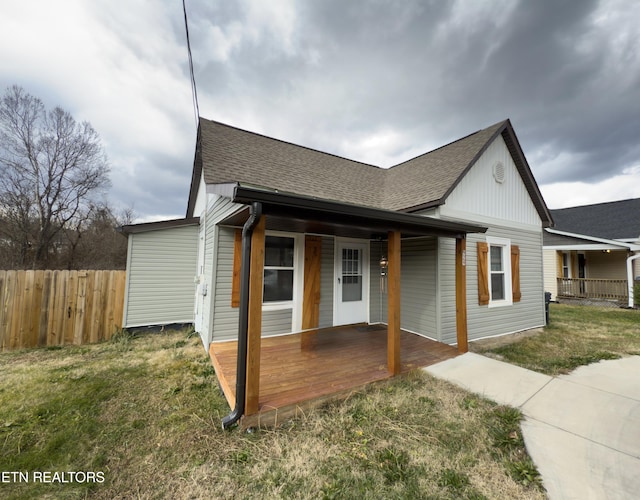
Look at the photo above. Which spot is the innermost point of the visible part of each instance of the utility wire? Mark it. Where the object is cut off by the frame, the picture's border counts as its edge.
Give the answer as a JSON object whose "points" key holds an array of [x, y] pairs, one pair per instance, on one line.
{"points": [[194, 92]]}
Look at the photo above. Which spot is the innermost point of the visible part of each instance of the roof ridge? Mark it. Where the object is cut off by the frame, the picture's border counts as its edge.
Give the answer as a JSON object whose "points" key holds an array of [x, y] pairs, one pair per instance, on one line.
{"points": [[289, 143], [450, 143], [596, 204]]}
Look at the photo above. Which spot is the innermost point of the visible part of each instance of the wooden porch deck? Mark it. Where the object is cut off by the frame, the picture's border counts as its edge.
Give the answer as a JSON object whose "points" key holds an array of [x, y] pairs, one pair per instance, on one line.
{"points": [[341, 360]]}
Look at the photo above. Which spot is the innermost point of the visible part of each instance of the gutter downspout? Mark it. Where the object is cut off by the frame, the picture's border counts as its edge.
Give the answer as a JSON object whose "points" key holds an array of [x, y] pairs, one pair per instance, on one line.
{"points": [[630, 278], [243, 320]]}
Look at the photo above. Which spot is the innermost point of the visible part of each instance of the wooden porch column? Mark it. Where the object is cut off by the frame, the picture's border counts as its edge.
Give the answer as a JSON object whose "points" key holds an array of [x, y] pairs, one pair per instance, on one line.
{"points": [[256, 278], [461, 295], [393, 303], [311, 293]]}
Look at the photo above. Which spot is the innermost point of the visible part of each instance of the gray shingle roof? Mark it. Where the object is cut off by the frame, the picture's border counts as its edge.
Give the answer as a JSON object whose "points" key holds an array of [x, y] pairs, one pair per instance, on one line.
{"points": [[615, 220], [233, 155], [230, 155], [431, 176]]}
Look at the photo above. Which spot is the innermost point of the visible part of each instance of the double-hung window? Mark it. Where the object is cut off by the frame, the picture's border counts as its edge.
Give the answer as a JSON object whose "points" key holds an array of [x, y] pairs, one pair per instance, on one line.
{"points": [[278, 268], [498, 272]]}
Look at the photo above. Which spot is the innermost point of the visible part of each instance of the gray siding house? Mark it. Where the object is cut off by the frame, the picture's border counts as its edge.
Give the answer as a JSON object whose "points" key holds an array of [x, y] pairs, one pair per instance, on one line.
{"points": [[468, 220]]}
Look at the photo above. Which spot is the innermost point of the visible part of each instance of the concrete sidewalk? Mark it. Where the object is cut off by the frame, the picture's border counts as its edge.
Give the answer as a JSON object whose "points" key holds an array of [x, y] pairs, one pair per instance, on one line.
{"points": [[582, 430]]}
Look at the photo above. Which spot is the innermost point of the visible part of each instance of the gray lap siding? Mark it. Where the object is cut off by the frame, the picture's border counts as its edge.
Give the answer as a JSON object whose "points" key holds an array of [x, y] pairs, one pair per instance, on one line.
{"points": [[484, 321], [418, 287]]}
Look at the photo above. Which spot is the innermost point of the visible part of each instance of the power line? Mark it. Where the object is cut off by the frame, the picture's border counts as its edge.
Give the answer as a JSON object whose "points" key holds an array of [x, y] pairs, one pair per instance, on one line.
{"points": [[194, 92]]}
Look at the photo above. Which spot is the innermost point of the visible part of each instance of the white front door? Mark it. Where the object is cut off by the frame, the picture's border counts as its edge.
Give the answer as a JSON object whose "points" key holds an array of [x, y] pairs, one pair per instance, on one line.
{"points": [[351, 282]]}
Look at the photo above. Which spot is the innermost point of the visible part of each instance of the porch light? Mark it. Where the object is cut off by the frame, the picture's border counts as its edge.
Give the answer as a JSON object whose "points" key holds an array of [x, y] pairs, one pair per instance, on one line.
{"points": [[608, 250]]}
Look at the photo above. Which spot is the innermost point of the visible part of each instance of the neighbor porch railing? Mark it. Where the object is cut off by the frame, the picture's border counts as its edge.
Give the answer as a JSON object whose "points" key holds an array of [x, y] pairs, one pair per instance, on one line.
{"points": [[587, 288]]}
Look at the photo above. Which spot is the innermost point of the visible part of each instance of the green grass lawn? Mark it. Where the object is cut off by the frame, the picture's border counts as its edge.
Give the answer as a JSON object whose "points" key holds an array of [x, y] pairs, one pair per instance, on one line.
{"points": [[575, 336], [145, 412]]}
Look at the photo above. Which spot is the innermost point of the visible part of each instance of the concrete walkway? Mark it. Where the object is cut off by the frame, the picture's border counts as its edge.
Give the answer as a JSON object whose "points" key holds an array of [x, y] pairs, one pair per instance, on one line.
{"points": [[582, 430]]}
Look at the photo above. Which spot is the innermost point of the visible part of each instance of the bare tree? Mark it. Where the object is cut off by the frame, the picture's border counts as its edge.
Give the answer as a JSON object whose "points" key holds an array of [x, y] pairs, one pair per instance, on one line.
{"points": [[50, 168], [95, 242]]}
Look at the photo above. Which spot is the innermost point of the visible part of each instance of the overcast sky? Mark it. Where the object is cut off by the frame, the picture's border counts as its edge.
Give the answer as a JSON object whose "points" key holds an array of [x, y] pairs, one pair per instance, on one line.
{"points": [[375, 81]]}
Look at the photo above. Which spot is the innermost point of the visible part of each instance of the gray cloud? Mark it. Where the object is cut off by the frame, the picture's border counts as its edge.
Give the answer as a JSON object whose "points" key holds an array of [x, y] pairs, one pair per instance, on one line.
{"points": [[376, 81]]}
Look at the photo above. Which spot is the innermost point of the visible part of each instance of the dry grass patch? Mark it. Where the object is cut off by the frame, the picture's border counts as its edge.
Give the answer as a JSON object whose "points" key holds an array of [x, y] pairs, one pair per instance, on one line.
{"points": [[575, 336], [146, 410]]}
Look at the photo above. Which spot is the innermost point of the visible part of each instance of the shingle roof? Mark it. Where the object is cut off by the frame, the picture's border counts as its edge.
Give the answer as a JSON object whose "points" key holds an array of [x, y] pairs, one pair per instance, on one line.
{"points": [[234, 155], [430, 177], [615, 220], [230, 155]]}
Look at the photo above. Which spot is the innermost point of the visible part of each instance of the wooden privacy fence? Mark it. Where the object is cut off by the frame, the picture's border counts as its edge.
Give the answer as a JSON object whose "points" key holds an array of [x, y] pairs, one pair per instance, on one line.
{"points": [[47, 308]]}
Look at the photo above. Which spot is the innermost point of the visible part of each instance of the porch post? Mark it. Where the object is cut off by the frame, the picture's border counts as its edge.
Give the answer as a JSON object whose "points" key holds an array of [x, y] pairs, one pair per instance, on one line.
{"points": [[393, 303], [461, 294], [311, 292], [256, 277]]}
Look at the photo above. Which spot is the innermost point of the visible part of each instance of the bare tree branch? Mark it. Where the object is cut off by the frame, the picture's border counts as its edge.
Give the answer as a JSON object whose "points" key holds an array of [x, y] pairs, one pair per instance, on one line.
{"points": [[50, 169]]}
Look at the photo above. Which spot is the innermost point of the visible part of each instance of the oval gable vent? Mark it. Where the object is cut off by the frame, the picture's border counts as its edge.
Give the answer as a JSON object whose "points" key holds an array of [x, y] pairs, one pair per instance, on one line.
{"points": [[498, 172]]}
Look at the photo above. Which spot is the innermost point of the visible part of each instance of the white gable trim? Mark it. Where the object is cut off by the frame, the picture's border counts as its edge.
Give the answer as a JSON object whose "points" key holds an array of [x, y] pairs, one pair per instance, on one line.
{"points": [[200, 204]]}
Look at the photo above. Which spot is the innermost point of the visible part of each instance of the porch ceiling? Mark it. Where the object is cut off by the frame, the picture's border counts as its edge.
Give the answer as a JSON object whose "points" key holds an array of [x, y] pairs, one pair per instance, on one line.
{"points": [[294, 213]]}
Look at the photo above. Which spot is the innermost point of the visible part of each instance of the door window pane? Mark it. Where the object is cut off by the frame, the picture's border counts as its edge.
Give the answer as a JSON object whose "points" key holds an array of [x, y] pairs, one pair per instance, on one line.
{"points": [[350, 261], [351, 275], [351, 288]]}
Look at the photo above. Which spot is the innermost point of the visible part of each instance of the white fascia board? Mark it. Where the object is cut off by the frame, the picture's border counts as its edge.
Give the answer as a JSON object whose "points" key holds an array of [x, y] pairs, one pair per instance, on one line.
{"points": [[610, 243], [594, 246]]}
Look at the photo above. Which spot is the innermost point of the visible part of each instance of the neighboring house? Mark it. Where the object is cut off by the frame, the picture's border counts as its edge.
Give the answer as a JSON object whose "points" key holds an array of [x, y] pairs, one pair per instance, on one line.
{"points": [[324, 238], [589, 253]]}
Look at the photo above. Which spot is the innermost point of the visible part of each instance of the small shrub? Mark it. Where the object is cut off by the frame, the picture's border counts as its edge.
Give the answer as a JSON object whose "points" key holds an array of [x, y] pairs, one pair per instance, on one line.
{"points": [[525, 472]]}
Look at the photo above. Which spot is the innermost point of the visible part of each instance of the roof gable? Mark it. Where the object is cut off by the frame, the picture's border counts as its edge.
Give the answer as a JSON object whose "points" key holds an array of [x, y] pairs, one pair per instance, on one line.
{"points": [[226, 154], [429, 178]]}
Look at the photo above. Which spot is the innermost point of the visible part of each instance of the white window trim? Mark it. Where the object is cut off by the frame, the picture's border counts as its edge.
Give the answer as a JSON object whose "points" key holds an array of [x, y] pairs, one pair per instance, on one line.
{"points": [[506, 260], [298, 278], [566, 255]]}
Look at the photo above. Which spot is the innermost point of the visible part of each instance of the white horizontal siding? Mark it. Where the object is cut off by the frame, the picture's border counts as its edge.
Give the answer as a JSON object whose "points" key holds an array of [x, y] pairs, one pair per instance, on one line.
{"points": [[161, 268]]}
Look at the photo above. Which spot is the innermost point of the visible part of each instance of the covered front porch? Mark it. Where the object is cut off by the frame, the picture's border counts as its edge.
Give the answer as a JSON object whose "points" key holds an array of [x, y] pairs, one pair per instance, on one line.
{"points": [[255, 373], [295, 376]]}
